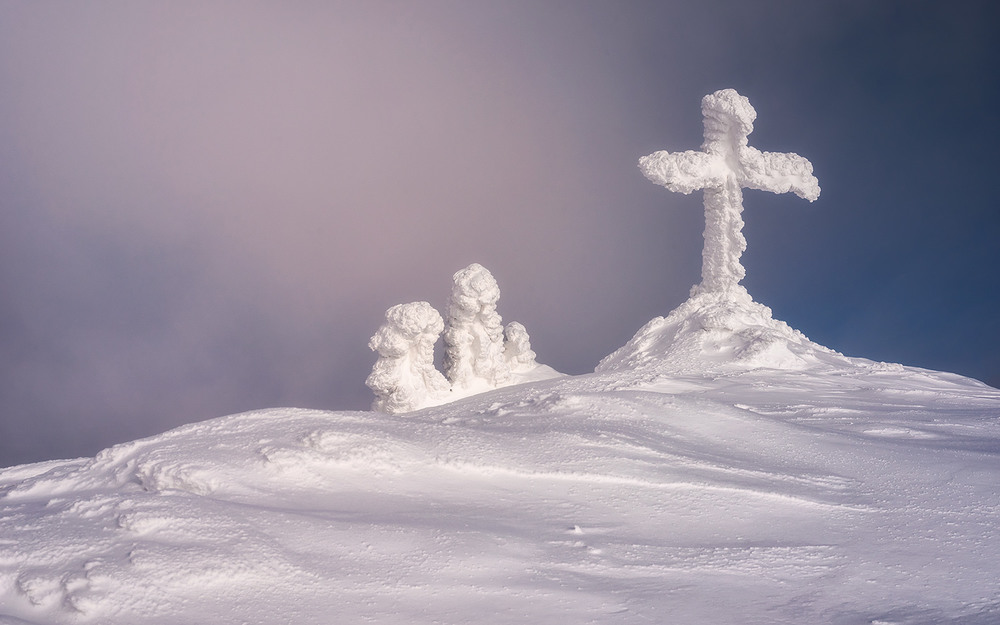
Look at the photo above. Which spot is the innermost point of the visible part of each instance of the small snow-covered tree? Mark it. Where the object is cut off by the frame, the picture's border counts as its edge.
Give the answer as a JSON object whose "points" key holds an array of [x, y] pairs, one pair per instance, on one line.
{"points": [[517, 348], [404, 377], [474, 336]]}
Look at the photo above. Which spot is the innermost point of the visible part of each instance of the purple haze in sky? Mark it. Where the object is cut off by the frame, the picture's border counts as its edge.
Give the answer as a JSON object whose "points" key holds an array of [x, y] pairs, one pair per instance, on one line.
{"points": [[207, 207]]}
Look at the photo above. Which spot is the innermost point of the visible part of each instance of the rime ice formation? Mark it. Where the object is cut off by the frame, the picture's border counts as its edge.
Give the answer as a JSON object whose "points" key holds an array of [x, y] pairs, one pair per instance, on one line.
{"points": [[724, 166], [474, 337], [480, 354], [404, 377], [517, 347]]}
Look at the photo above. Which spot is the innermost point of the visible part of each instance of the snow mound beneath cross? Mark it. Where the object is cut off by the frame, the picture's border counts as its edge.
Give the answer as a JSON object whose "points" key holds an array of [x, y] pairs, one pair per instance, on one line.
{"points": [[720, 331]]}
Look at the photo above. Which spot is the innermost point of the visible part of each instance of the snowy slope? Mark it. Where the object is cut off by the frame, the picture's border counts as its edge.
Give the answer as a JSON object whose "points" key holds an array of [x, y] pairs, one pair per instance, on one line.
{"points": [[720, 468]]}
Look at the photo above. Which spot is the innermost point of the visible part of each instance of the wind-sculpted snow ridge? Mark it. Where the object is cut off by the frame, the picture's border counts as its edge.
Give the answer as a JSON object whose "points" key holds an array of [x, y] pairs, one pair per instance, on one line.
{"points": [[755, 496]]}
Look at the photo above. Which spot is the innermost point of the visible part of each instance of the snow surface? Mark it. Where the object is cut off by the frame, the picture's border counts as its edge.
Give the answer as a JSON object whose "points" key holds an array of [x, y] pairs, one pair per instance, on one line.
{"points": [[720, 468]]}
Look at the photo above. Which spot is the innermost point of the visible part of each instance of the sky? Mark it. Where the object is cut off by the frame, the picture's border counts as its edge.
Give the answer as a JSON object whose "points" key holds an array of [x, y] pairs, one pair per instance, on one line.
{"points": [[206, 207]]}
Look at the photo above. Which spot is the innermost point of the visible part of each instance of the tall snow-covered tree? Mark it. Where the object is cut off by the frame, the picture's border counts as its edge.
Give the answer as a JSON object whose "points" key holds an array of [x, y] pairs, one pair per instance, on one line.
{"points": [[474, 342]]}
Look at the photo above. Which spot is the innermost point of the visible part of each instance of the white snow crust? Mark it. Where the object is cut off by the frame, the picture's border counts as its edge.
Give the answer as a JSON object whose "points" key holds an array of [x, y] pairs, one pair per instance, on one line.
{"points": [[720, 468]]}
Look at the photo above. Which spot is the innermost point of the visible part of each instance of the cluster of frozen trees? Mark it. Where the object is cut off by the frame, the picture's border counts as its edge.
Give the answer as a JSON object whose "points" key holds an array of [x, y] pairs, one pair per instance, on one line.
{"points": [[480, 353]]}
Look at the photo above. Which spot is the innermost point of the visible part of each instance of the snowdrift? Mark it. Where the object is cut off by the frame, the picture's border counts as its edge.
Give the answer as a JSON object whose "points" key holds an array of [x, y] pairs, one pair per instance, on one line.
{"points": [[720, 468]]}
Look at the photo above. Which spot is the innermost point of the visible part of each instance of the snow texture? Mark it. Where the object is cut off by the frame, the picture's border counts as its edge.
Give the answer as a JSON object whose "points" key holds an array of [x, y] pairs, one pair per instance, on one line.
{"points": [[473, 340], [725, 165], [404, 377]]}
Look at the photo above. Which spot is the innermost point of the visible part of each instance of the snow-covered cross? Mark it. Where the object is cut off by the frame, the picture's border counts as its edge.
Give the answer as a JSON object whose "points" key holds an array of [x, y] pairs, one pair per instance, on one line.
{"points": [[724, 166]]}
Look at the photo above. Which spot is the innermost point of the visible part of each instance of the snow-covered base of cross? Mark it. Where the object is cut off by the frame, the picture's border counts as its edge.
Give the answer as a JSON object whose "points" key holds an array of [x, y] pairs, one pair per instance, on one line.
{"points": [[717, 331]]}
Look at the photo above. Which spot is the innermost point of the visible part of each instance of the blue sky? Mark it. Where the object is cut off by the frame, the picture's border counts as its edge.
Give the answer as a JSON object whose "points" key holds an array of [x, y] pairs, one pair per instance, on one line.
{"points": [[206, 208]]}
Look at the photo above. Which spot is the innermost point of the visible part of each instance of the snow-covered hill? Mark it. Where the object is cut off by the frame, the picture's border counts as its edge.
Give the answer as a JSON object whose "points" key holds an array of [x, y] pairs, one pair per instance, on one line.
{"points": [[720, 468]]}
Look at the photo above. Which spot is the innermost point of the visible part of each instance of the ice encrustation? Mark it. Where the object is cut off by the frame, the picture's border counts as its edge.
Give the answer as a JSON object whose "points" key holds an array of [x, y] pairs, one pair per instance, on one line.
{"points": [[404, 377], [480, 353], [723, 167]]}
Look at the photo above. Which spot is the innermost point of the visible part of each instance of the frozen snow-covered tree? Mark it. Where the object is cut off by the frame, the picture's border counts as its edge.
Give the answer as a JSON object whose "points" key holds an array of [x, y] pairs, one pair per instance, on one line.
{"points": [[517, 348], [474, 336], [480, 354], [724, 166], [404, 377]]}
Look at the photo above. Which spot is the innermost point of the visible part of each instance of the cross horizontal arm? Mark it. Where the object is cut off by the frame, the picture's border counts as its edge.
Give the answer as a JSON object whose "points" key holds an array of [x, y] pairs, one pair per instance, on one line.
{"points": [[682, 172], [778, 172]]}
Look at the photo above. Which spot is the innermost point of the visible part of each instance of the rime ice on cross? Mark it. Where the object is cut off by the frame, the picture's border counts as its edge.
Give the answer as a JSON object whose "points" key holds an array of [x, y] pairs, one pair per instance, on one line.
{"points": [[723, 167]]}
